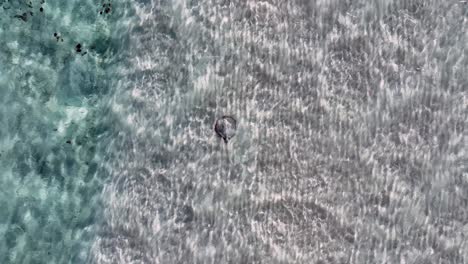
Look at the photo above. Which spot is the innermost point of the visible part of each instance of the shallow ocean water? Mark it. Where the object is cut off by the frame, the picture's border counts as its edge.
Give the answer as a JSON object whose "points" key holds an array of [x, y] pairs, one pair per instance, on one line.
{"points": [[351, 142]]}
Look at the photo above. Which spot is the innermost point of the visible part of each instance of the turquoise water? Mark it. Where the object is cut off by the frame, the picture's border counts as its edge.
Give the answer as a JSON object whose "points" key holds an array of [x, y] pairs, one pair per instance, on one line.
{"points": [[351, 140], [53, 126]]}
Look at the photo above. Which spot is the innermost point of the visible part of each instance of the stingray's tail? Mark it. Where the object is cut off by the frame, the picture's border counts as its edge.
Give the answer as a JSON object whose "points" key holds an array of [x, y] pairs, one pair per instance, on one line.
{"points": [[226, 149]]}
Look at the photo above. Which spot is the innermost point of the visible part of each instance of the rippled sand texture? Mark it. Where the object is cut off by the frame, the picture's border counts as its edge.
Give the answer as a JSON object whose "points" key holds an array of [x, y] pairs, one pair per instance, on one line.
{"points": [[351, 144], [52, 114]]}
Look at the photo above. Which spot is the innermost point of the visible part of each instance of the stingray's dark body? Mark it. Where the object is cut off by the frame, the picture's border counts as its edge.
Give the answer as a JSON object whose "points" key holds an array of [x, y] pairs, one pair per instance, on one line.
{"points": [[226, 127]]}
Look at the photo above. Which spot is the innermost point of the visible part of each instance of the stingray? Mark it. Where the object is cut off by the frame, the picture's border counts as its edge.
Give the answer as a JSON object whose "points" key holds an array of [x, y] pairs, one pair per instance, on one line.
{"points": [[225, 127]]}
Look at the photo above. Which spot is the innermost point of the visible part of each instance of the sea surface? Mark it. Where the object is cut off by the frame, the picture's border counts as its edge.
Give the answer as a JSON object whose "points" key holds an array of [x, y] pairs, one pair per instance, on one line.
{"points": [[351, 143]]}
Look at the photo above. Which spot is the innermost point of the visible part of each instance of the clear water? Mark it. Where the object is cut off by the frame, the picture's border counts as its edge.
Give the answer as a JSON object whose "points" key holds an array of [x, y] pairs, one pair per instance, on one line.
{"points": [[351, 145], [54, 121]]}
